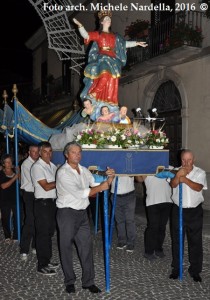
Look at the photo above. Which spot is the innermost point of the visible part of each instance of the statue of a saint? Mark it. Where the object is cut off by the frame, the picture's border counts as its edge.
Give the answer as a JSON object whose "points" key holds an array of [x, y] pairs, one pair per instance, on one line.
{"points": [[106, 58]]}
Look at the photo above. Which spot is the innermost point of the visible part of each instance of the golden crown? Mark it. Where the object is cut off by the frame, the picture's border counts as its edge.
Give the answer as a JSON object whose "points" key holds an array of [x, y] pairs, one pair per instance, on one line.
{"points": [[104, 13]]}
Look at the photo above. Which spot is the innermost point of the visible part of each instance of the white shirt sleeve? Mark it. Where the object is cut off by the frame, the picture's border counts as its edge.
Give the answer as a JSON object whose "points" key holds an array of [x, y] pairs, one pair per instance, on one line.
{"points": [[25, 175], [37, 174], [92, 179], [202, 180]]}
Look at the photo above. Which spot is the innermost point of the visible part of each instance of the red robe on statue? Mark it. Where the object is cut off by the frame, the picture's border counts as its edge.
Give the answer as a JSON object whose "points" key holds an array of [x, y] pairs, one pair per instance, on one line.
{"points": [[105, 72]]}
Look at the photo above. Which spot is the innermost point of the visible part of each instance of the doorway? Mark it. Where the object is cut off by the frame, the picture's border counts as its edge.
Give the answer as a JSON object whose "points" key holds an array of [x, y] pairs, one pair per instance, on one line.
{"points": [[168, 102]]}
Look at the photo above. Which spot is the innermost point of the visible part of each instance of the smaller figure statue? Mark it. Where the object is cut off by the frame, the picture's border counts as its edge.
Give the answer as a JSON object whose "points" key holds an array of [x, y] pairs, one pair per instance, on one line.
{"points": [[107, 116], [89, 110], [124, 119]]}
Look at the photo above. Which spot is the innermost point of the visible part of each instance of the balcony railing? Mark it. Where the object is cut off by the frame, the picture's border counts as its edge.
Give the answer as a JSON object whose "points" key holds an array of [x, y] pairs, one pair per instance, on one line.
{"points": [[182, 28]]}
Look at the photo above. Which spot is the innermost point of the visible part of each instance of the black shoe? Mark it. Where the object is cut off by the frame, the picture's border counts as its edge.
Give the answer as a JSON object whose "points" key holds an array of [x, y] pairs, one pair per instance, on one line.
{"points": [[197, 278], [174, 275], [121, 246], [160, 254], [130, 248], [150, 257], [92, 288], [70, 288], [53, 266], [46, 271]]}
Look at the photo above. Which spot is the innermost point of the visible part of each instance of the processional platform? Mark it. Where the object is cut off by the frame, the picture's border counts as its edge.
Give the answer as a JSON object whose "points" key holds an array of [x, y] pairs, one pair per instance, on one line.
{"points": [[124, 161]]}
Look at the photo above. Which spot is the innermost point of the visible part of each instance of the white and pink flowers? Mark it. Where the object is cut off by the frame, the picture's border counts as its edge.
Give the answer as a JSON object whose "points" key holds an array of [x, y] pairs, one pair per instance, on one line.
{"points": [[124, 138]]}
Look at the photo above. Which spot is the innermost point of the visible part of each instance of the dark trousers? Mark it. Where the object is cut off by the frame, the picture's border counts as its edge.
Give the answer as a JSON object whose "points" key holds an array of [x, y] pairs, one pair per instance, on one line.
{"points": [[44, 213], [157, 218], [73, 227], [28, 230], [6, 211], [192, 227], [91, 210], [124, 216]]}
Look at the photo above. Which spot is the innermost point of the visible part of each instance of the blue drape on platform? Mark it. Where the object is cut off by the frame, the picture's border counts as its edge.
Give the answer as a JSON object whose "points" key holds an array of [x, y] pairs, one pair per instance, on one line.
{"points": [[128, 162]]}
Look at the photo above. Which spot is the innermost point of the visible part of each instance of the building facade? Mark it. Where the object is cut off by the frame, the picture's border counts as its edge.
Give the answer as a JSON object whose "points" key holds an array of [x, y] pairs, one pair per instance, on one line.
{"points": [[175, 82]]}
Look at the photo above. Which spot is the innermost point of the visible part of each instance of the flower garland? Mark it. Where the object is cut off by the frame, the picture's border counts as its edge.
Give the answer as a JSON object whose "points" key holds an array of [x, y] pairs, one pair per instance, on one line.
{"points": [[123, 138], [88, 136], [157, 138]]}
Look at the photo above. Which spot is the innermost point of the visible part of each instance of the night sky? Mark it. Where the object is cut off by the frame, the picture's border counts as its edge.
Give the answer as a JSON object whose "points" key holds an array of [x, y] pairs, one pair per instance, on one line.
{"points": [[18, 21]]}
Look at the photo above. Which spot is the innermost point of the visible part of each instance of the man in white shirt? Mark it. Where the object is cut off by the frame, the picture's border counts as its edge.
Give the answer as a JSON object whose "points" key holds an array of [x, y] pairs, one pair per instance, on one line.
{"points": [[28, 230], [43, 177], [125, 212], [193, 181], [158, 208], [75, 184]]}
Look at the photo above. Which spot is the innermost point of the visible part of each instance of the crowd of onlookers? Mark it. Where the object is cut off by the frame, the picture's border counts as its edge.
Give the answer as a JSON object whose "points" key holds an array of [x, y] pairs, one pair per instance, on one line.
{"points": [[51, 196]]}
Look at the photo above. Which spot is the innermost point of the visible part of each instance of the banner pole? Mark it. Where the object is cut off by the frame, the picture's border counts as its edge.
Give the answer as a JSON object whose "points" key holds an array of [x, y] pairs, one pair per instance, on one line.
{"points": [[113, 211], [7, 142], [180, 234], [96, 216], [5, 96], [106, 229], [15, 90]]}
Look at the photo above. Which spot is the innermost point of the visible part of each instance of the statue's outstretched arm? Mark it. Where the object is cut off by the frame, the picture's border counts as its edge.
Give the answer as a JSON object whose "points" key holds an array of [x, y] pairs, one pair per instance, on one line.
{"points": [[82, 29], [130, 44]]}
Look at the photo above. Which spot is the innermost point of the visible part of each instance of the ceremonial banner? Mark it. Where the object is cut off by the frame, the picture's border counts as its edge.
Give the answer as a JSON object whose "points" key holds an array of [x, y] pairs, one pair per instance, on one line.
{"points": [[1, 119], [31, 129]]}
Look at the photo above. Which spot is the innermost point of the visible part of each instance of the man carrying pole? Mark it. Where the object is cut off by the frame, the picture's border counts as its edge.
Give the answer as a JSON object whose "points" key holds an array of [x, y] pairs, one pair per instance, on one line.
{"points": [[74, 184], [193, 181]]}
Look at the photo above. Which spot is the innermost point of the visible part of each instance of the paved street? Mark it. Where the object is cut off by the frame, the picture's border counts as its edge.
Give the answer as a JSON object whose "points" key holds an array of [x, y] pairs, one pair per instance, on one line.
{"points": [[132, 276]]}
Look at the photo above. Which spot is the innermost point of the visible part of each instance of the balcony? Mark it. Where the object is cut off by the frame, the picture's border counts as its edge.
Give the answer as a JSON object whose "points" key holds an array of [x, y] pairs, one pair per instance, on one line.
{"points": [[182, 32]]}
